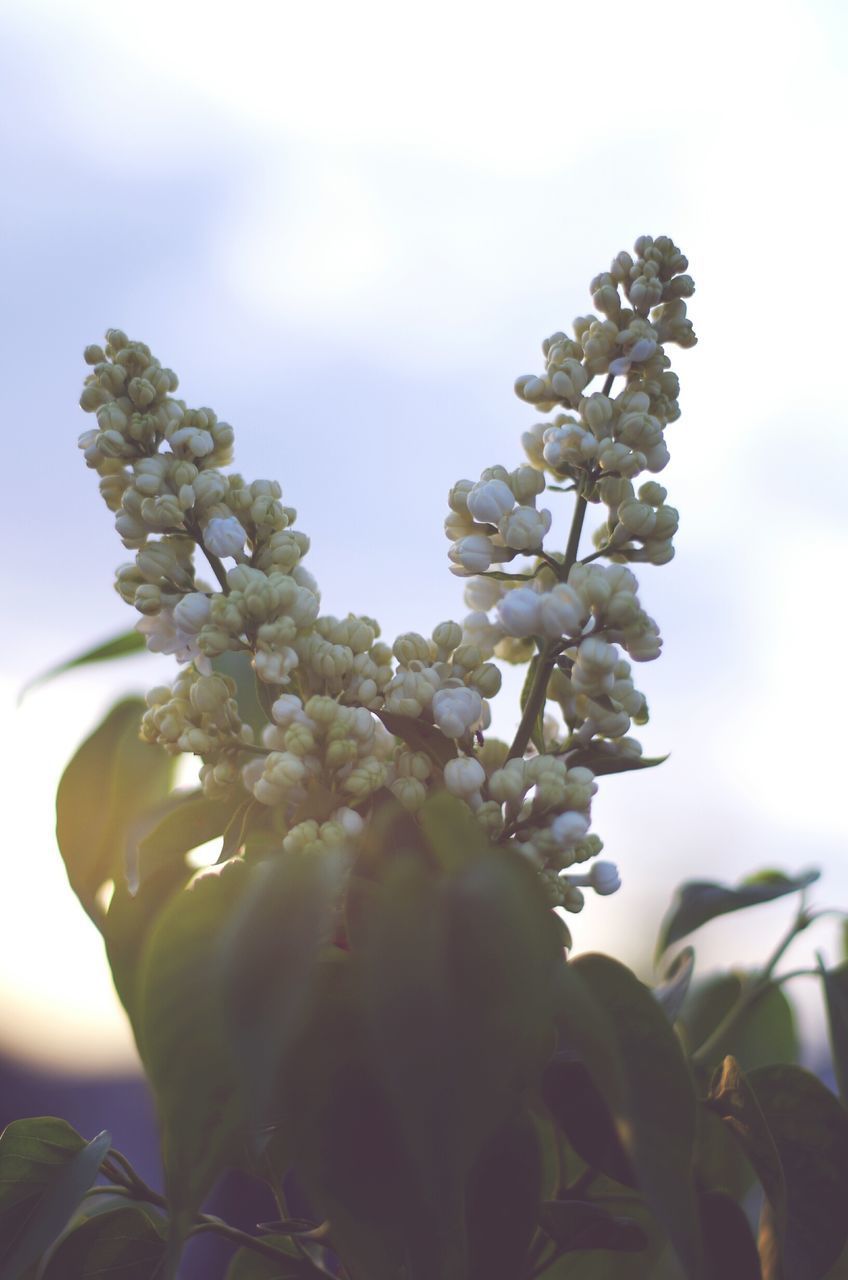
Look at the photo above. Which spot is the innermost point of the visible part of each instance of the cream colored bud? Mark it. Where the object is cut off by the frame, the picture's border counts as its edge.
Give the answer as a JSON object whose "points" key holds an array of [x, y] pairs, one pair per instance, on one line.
{"points": [[447, 636], [486, 679], [637, 517]]}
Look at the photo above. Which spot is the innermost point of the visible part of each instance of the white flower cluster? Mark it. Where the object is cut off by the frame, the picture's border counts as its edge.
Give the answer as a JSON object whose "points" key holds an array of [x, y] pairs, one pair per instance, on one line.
{"points": [[575, 619], [348, 716]]}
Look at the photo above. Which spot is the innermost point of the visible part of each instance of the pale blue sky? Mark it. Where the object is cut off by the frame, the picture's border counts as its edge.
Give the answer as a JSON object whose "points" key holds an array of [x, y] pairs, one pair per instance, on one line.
{"points": [[349, 228]]}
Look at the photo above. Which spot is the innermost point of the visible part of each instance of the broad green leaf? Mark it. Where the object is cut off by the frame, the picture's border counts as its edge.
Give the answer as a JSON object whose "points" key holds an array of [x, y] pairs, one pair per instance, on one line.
{"points": [[187, 1051], [127, 1243], [269, 945], [247, 1264], [112, 779], [419, 736], [733, 1099], [120, 646], [584, 1117], [339, 1130], [699, 901], [720, 1161], [503, 1200], [810, 1132], [451, 831], [45, 1170], [660, 1100], [126, 928], [835, 982], [580, 1224], [606, 759], [181, 823], [764, 1034], [239, 668], [671, 992], [729, 1245]]}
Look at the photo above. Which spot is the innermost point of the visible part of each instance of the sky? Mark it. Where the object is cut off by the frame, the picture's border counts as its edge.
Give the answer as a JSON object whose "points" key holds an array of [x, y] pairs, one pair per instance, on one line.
{"points": [[349, 228]]}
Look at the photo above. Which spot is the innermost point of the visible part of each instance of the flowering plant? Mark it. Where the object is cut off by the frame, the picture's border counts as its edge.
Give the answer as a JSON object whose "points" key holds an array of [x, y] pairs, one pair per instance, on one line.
{"points": [[371, 1001]]}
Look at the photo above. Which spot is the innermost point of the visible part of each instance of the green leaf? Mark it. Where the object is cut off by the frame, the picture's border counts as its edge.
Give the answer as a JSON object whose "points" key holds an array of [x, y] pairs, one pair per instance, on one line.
{"points": [[671, 992], [45, 1170], [127, 1243], [503, 1200], [579, 1224], [699, 901], [810, 1132], [452, 832], [187, 1050], [764, 1034], [584, 1117], [835, 982], [660, 1100], [606, 759], [239, 667], [181, 823], [127, 927], [729, 1245], [112, 779], [247, 1264], [120, 646], [342, 1138], [420, 736], [268, 951], [733, 1099]]}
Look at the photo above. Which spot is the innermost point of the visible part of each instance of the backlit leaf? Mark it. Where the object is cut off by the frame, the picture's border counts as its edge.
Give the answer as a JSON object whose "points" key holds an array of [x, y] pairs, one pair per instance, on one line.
{"points": [[112, 779], [127, 1243], [120, 646], [45, 1170], [671, 992], [699, 901], [187, 1051]]}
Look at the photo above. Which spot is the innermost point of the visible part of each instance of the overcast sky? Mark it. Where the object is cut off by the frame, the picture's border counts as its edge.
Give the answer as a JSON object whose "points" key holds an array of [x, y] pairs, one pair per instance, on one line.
{"points": [[348, 228]]}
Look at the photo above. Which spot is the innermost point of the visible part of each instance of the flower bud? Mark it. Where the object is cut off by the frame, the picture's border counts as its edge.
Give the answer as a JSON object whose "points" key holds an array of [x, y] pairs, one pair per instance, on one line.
{"points": [[489, 500], [457, 711], [224, 536], [464, 776], [519, 612]]}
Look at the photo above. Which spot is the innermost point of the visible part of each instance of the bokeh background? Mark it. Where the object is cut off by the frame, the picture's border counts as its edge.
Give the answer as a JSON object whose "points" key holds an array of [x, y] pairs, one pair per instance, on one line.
{"points": [[349, 227]]}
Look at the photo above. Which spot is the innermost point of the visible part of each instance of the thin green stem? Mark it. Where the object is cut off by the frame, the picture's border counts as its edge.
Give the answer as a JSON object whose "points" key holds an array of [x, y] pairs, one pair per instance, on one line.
{"points": [[548, 651], [208, 1223], [752, 991]]}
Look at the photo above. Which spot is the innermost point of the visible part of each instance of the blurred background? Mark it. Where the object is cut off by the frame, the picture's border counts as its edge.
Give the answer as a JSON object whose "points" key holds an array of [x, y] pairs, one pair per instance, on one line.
{"points": [[349, 228]]}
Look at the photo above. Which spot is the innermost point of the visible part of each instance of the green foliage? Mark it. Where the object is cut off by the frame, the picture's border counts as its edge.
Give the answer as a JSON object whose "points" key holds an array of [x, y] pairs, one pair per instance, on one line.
{"points": [[120, 646], [659, 1104], [810, 1133], [45, 1170], [167, 833], [762, 1034], [247, 1264], [835, 982], [110, 781], [699, 901], [579, 1224], [671, 992], [127, 1243], [187, 1054]]}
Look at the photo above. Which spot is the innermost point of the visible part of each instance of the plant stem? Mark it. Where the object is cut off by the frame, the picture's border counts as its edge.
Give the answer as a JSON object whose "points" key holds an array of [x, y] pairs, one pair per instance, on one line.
{"points": [[751, 992], [206, 1222], [548, 651]]}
